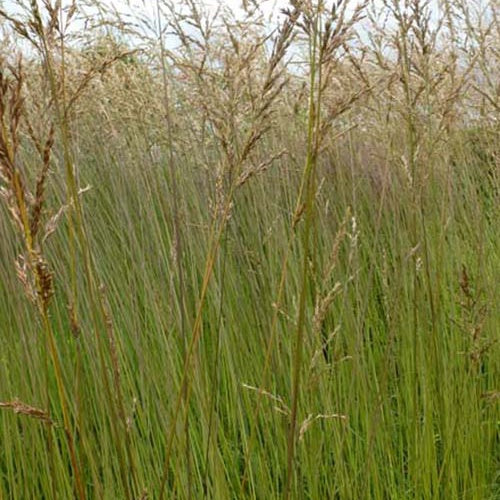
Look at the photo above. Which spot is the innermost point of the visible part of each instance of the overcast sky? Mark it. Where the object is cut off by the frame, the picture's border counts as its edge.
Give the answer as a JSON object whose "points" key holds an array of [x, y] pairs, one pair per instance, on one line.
{"points": [[268, 5], [148, 7]]}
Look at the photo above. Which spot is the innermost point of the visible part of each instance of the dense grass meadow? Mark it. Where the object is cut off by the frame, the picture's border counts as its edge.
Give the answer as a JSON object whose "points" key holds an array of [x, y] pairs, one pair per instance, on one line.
{"points": [[249, 254]]}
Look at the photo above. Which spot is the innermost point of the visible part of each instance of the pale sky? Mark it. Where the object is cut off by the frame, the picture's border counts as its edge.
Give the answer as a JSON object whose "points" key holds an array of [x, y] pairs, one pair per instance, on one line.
{"points": [[267, 5], [147, 8]]}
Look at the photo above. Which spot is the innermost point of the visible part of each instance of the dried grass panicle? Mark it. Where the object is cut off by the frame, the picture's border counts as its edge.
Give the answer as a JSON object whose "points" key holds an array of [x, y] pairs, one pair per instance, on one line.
{"points": [[36, 277], [75, 327], [92, 70], [311, 418], [39, 195], [26, 206], [26, 278], [326, 293], [21, 408], [281, 406], [252, 170], [475, 311], [322, 306], [339, 27], [11, 102], [342, 80], [236, 100], [144, 495], [339, 238], [111, 335], [45, 279]]}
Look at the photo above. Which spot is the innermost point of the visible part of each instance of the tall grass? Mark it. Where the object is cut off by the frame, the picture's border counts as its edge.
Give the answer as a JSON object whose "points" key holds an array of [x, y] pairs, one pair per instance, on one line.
{"points": [[249, 258]]}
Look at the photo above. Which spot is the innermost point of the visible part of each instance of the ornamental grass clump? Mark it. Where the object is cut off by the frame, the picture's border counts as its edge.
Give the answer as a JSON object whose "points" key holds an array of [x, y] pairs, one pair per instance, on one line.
{"points": [[249, 252]]}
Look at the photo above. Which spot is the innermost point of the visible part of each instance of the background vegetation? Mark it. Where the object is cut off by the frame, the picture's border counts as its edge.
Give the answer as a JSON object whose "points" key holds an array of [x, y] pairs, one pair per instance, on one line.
{"points": [[246, 257]]}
